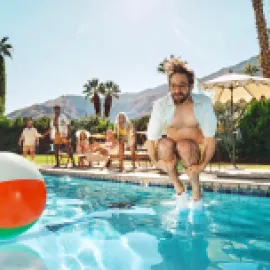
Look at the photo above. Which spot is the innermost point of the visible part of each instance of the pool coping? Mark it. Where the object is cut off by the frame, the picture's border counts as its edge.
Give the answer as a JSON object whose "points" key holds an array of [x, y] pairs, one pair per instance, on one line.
{"points": [[209, 182]]}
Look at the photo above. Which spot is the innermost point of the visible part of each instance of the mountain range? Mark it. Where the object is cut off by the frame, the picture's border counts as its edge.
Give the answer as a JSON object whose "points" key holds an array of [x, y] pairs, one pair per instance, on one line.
{"points": [[135, 105]]}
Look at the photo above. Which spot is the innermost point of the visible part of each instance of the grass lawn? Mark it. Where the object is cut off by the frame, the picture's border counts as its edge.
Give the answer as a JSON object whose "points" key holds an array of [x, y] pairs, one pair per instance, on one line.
{"points": [[43, 159], [46, 159]]}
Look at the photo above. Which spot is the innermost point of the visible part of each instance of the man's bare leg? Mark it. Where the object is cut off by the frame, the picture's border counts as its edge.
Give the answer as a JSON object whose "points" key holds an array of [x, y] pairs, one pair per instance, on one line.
{"points": [[167, 162], [32, 155], [56, 153], [25, 154], [70, 153], [189, 152]]}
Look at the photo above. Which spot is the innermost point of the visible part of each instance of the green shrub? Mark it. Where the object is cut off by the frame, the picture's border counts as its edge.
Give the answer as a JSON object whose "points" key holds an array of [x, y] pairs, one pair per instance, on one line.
{"points": [[255, 132]]}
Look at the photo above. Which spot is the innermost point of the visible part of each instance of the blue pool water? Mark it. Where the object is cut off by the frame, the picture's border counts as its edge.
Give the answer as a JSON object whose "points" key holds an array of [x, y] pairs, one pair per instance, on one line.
{"points": [[79, 231]]}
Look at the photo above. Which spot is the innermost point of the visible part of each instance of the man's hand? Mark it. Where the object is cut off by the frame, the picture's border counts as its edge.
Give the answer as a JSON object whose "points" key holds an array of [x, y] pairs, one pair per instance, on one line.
{"points": [[195, 169], [165, 166]]}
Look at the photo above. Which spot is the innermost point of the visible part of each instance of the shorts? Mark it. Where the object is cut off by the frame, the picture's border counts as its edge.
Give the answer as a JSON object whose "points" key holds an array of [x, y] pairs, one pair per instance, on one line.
{"points": [[29, 148], [60, 140]]}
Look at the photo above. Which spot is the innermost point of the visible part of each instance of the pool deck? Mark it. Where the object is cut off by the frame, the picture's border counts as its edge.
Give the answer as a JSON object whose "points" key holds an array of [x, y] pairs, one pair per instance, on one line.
{"points": [[229, 181]]}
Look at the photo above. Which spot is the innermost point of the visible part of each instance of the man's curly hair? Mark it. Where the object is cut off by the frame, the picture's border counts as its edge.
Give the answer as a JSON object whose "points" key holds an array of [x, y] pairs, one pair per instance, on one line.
{"points": [[176, 65]]}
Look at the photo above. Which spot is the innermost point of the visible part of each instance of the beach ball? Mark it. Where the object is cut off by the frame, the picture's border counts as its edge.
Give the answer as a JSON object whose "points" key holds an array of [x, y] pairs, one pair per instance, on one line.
{"points": [[20, 256], [22, 194]]}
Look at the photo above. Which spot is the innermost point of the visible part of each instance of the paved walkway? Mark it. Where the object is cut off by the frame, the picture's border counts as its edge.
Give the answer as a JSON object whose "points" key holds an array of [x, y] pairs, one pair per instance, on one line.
{"points": [[241, 173], [208, 180]]}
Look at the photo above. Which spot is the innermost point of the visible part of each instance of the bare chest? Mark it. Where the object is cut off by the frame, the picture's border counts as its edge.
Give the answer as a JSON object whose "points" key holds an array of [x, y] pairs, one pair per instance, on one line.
{"points": [[184, 116]]}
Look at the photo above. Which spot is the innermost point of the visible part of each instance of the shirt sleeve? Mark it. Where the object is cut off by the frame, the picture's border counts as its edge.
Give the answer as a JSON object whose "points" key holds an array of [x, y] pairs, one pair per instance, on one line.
{"points": [[51, 124], [208, 119], [155, 125], [38, 135]]}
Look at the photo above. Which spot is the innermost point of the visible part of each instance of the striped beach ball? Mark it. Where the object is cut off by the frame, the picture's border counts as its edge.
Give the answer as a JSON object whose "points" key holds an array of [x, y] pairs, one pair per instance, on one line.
{"points": [[22, 195]]}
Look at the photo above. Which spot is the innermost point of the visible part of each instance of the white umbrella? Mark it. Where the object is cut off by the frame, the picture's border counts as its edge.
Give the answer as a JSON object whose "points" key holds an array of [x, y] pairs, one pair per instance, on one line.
{"points": [[234, 87]]}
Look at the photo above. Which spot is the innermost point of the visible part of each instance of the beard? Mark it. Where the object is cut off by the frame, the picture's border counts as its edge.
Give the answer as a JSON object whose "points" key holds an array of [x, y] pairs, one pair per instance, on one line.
{"points": [[180, 98]]}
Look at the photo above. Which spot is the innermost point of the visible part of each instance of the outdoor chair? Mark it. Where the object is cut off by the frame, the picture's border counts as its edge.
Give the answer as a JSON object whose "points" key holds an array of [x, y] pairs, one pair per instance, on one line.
{"points": [[141, 156]]}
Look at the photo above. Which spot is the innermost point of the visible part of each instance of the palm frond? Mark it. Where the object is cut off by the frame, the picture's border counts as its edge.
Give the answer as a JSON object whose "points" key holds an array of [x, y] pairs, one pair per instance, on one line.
{"points": [[4, 39], [101, 88], [6, 52], [8, 46], [94, 82]]}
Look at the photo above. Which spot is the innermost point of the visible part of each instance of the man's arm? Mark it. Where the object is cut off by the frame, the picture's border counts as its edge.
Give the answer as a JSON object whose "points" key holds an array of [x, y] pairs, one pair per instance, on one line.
{"points": [[154, 132], [209, 146], [21, 139], [151, 148], [46, 133]]}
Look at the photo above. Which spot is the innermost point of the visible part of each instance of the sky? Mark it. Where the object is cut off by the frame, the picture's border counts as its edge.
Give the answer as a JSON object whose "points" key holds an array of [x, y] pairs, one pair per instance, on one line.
{"points": [[59, 45]]}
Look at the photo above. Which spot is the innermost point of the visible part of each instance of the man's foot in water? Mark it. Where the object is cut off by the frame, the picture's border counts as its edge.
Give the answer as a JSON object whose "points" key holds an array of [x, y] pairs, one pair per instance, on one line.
{"points": [[182, 201]]}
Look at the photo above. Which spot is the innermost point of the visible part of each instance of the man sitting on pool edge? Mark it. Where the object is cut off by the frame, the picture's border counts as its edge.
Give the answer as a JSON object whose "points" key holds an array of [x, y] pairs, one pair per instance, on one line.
{"points": [[179, 123]]}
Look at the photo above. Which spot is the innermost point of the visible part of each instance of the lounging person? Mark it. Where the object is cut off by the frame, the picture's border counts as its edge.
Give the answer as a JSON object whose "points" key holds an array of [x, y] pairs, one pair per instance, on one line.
{"points": [[60, 130], [30, 139], [125, 134], [179, 123], [97, 152], [82, 146]]}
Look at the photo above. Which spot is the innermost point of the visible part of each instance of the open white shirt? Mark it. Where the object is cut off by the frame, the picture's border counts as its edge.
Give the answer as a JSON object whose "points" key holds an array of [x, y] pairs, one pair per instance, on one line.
{"points": [[164, 109], [63, 123], [30, 136]]}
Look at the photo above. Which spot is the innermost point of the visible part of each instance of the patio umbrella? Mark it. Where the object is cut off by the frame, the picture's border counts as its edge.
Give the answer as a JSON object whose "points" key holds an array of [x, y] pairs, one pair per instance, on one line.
{"points": [[233, 87]]}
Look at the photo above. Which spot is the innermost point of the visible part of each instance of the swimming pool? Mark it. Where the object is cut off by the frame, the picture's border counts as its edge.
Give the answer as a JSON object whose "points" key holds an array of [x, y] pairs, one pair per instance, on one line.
{"points": [[79, 231]]}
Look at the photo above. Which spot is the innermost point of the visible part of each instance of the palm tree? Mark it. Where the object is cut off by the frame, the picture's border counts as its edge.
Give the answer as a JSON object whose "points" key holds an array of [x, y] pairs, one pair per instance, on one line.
{"points": [[92, 89], [112, 90], [161, 65], [251, 69], [262, 37], [5, 51]]}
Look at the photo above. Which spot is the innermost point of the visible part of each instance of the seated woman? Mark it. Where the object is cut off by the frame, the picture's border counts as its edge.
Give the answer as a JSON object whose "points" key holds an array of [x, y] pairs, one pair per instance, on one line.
{"points": [[125, 134], [82, 146], [98, 152]]}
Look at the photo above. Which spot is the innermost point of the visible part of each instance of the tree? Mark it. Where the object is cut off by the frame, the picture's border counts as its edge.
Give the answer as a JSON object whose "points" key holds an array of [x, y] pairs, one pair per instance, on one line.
{"points": [[251, 69], [268, 35], [5, 51], [92, 89], [161, 65], [262, 37], [225, 125], [111, 90], [255, 131]]}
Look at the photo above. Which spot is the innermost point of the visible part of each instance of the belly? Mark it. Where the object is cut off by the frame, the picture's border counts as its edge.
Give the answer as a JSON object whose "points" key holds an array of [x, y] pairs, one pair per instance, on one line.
{"points": [[183, 122]]}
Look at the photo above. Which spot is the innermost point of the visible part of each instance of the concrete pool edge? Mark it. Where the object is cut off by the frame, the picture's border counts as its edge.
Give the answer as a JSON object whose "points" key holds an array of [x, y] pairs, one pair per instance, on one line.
{"points": [[208, 182]]}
